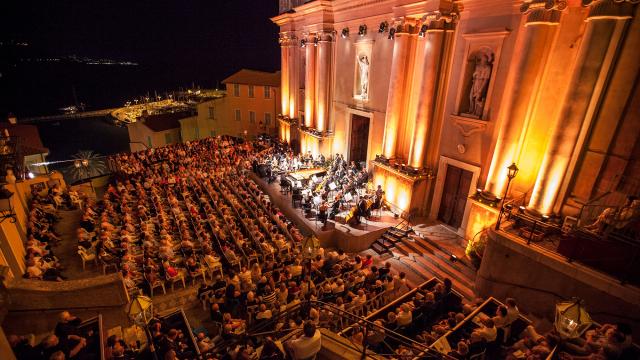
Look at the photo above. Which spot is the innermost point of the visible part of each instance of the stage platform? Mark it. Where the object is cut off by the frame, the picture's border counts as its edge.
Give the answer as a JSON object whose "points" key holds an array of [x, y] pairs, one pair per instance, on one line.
{"points": [[333, 234]]}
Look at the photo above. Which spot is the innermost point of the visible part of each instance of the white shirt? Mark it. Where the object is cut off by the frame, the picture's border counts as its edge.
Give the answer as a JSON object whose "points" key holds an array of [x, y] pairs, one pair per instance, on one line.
{"points": [[305, 347]]}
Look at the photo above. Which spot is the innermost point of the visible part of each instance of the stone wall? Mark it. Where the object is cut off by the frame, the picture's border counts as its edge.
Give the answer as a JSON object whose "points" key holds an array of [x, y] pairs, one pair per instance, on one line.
{"points": [[537, 279]]}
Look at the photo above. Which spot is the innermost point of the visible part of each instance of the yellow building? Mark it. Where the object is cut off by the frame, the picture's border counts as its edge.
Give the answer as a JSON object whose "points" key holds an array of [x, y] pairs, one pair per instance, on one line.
{"points": [[249, 108], [157, 130]]}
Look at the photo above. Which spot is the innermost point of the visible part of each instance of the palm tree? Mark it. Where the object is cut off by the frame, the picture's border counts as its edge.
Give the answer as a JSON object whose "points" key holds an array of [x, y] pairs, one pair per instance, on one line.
{"points": [[87, 164]]}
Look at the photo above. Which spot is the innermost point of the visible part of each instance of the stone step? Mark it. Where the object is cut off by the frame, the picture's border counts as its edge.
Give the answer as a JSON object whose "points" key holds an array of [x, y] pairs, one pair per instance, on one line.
{"points": [[399, 233], [440, 268], [443, 254], [422, 266], [462, 258], [379, 248], [445, 265], [390, 238]]}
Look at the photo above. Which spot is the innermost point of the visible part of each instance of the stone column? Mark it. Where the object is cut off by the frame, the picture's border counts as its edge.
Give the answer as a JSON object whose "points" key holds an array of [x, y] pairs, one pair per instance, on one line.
{"points": [[323, 80], [431, 52], [396, 98], [293, 53], [284, 73], [531, 53], [310, 82], [603, 33]]}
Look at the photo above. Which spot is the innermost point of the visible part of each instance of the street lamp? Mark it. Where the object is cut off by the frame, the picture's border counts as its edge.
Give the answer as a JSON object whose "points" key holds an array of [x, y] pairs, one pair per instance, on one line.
{"points": [[512, 172]]}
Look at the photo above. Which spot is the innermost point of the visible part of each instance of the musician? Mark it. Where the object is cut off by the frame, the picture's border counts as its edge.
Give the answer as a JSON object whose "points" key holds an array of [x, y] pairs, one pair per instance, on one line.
{"points": [[377, 203], [321, 159], [363, 208], [322, 212]]}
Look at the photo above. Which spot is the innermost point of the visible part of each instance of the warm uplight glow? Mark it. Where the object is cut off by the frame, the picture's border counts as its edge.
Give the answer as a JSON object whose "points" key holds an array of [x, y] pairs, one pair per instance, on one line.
{"points": [[397, 190], [391, 132], [309, 143], [320, 119], [417, 152], [292, 110], [547, 186], [480, 217], [497, 178]]}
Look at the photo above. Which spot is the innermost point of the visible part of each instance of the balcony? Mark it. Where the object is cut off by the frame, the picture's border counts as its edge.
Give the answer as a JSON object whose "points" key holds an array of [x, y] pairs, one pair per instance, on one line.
{"points": [[611, 248]]}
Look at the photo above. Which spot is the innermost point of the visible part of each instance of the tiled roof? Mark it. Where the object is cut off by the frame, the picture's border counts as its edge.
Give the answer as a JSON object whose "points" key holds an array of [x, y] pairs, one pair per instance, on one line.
{"points": [[167, 121], [29, 138], [254, 77]]}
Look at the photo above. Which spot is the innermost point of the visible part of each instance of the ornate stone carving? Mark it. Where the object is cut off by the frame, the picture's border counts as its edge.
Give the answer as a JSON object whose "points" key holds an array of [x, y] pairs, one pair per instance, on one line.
{"points": [[543, 11], [363, 66], [288, 39], [479, 83]]}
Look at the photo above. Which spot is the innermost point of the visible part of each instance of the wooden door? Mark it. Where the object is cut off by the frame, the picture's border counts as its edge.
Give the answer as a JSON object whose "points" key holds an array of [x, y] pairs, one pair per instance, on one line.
{"points": [[359, 138], [454, 196]]}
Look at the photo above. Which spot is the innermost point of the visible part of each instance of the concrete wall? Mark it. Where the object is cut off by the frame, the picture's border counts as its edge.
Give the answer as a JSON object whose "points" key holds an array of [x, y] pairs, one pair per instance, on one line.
{"points": [[34, 304], [537, 279]]}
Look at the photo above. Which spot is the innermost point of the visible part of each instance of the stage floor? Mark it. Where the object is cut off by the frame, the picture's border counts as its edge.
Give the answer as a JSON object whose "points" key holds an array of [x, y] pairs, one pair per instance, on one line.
{"points": [[366, 232]]}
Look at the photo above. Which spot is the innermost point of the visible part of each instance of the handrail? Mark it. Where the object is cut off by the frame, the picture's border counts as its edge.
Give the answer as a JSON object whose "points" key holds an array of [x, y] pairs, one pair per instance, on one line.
{"points": [[360, 320], [66, 308]]}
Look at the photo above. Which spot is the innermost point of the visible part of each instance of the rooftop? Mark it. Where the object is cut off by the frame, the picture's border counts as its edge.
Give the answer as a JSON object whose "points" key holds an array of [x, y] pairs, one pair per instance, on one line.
{"points": [[166, 121], [30, 142], [254, 77]]}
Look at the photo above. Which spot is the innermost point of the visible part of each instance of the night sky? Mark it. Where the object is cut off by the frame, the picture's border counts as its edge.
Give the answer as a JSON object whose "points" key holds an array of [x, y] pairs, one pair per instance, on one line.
{"points": [[175, 42]]}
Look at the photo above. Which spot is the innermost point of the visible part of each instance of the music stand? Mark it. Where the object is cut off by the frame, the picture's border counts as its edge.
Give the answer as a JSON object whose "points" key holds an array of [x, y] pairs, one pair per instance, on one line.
{"points": [[348, 197]]}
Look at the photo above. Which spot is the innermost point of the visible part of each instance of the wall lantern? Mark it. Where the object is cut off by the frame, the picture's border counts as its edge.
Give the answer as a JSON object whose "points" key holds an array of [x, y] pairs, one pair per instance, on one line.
{"points": [[362, 30]]}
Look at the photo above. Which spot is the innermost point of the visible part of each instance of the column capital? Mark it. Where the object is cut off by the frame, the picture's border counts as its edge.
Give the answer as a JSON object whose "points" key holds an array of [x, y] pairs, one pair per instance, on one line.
{"points": [[542, 12], [609, 9], [326, 35], [287, 38]]}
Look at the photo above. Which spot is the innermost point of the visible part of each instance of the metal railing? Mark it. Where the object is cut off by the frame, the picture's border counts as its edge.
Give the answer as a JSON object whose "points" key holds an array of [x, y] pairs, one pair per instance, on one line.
{"points": [[334, 318]]}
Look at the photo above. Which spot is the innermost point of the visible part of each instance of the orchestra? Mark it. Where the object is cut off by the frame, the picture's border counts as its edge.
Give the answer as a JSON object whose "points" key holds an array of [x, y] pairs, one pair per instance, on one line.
{"points": [[342, 188]]}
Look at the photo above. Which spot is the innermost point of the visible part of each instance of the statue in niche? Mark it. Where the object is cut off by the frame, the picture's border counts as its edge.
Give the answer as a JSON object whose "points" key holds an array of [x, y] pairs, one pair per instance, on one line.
{"points": [[363, 63], [479, 84]]}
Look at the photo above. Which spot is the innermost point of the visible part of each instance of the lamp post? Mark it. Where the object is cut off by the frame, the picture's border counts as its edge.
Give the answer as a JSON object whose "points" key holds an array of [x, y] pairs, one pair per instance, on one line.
{"points": [[513, 171]]}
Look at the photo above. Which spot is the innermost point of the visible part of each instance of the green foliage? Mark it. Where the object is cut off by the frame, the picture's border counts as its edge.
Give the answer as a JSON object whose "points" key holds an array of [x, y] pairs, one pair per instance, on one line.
{"points": [[87, 164]]}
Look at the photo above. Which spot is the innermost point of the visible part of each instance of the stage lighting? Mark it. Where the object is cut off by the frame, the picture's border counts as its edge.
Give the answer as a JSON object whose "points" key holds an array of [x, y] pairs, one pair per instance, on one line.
{"points": [[423, 30], [345, 33], [545, 218], [303, 43], [383, 27], [453, 258], [362, 30], [521, 209], [392, 33]]}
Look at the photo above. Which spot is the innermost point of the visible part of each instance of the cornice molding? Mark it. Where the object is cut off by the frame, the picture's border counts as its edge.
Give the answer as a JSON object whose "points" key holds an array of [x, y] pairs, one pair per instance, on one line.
{"points": [[542, 12], [609, 9]]}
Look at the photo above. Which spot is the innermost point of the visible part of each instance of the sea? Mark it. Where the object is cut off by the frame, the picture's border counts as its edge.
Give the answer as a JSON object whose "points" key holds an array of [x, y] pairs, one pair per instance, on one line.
{"points": [[42, 88]]}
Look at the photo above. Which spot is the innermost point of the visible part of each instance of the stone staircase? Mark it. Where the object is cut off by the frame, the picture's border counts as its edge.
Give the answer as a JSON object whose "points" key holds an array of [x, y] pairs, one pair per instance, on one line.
{"points": [[430, 255]]}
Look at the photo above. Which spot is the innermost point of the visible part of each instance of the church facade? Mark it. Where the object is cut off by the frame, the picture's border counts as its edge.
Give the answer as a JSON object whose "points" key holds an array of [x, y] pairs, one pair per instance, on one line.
{"points": [[440, 97]]}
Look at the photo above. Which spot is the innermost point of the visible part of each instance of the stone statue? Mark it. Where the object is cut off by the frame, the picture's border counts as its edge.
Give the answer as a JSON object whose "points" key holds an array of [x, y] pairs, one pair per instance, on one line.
{"points": [[363, 62], [479, 84]]}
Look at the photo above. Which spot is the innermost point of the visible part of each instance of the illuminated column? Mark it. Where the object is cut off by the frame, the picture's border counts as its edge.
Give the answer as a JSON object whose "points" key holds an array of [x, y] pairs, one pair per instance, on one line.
{"points": [[431, 52], [310, 82], [603, 33], [395, 98], [531, 53], [284, 73], [323, 79], [293, 54]]}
